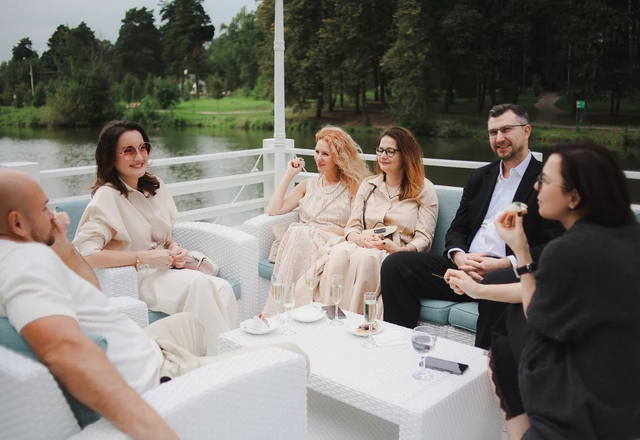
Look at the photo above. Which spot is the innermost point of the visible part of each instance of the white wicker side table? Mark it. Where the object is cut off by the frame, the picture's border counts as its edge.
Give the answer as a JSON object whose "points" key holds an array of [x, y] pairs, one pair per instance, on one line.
{"points": [[352, 388]]}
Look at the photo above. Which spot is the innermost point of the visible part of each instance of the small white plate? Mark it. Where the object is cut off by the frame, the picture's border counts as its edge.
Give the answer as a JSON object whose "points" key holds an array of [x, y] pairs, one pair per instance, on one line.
{"points": [[353, 331], [305, 314], [272, 326]]}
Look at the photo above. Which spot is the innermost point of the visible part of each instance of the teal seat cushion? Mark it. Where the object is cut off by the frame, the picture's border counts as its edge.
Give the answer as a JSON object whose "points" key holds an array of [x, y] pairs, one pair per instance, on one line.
{"points": [[11, 339], [74, 209], [448, 202], [265, 269], [236, 288], [154, 316], [436, 311], [464, 315]]}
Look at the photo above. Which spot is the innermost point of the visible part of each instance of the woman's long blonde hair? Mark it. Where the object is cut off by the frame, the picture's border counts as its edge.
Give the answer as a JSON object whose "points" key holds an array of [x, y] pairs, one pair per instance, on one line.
{"points": [[345, 152]]}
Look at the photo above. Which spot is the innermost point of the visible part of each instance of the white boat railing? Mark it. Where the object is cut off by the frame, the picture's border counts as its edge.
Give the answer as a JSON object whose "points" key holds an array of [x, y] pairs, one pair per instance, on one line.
{"points": [[269, 176]]}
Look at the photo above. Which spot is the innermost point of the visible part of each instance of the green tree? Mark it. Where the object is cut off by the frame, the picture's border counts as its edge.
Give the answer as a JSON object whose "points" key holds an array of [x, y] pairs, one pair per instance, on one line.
{"points": [[23, 50], [233, 55], [187, 27], [138, 50], [408, 64]]}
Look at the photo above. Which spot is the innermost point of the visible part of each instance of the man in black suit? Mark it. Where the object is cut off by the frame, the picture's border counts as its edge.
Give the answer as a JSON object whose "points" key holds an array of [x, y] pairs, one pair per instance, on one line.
{"points": [[472, 243]]}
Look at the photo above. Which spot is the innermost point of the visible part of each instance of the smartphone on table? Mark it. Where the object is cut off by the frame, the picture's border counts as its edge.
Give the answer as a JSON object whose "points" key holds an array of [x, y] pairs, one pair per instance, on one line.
{"points": [[331, 312], [445, 365]]}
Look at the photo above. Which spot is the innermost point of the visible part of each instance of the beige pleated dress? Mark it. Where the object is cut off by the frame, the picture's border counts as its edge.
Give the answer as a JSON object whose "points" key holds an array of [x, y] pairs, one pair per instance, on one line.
{"points": [[360, 266], [321, 207], [137, 223]]}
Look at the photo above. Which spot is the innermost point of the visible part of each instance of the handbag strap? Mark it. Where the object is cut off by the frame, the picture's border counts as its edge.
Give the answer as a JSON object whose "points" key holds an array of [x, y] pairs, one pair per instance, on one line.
{"points": [[364, 207]]}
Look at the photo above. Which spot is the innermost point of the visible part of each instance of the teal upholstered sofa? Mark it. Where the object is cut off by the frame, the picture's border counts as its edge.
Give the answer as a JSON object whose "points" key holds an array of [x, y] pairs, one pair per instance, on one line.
{"points": [[460, 315]]}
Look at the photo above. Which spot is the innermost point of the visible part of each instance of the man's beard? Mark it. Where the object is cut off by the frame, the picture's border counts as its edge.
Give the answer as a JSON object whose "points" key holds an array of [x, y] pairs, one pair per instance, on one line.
{"points": [[46, 238]]}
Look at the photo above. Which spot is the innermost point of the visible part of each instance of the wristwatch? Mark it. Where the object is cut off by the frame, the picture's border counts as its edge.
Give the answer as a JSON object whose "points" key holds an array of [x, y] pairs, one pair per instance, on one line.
{"points": [[527, 268]]}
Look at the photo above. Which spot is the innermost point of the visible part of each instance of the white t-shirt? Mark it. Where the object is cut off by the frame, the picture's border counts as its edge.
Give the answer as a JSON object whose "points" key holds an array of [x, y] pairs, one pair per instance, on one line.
{"points": [[35, 283]]}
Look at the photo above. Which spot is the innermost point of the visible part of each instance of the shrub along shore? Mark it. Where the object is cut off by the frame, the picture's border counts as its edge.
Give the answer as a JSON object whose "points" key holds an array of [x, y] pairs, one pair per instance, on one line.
{"points": [[247, 114]]}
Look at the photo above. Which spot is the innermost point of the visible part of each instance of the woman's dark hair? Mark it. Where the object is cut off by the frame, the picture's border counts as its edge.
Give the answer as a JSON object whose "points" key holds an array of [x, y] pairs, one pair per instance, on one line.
{"points": [[106, 159], [409, 148], [594, 172]]}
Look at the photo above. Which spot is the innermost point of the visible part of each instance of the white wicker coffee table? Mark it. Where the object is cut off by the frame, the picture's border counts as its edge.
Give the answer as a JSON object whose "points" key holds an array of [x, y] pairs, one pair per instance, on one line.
{"points": [[360, 393]]}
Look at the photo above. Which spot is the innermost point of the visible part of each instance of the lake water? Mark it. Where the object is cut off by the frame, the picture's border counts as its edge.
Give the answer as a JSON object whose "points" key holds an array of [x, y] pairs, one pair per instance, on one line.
{"points": [[61, 148]]}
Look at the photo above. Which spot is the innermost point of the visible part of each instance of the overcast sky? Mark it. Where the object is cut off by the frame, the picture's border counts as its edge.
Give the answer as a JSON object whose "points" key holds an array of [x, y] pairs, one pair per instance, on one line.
{"points": [[38, 19]]}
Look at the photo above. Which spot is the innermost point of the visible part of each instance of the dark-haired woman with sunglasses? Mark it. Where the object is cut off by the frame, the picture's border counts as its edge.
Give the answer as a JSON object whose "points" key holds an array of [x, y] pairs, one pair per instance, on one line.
{"points": [[128, 222], [398, 196]]}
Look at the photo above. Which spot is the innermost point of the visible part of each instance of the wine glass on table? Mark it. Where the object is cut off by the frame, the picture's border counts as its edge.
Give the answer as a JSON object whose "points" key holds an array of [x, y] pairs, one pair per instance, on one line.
{"points": [[311, 280], [370, 314], [289, 302], [336, 296], [423, 342], [276, 295]]}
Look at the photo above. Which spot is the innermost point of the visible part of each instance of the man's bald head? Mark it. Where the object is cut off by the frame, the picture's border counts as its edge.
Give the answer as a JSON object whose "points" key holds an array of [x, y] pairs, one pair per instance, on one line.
{"points": [[21, 200]]}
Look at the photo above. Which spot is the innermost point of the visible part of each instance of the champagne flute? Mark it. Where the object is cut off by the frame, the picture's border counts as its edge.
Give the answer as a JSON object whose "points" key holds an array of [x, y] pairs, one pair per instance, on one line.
{"points": [[289, 301], [276, 295], [370, 314], [311, 280], [336, 296], [423, 342]]}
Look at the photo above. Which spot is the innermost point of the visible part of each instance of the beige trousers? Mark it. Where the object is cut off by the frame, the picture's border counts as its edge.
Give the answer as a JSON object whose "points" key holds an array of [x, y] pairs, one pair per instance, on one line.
{"points": [[183, 342]]}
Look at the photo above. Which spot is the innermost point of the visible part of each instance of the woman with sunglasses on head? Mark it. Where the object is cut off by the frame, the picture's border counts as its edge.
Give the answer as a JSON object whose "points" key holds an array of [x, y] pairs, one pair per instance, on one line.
{"points": [[128, 222], [324, 202], [564, 357], [399, 196]]}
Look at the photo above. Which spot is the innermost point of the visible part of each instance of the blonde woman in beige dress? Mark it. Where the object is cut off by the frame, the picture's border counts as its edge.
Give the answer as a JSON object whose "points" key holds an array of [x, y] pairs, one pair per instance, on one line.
{"points": [[399, 196], [128, 222], [324, 202]]}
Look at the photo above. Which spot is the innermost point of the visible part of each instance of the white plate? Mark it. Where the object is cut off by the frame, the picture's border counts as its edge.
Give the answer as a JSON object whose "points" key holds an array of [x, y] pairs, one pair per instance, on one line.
{"points": [[272, 326], [304, 314], [352, 330]]}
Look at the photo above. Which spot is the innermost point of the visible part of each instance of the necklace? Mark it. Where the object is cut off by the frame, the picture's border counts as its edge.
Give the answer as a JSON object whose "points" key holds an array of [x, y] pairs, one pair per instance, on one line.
{"points": [[389, 192], [335, 186]]}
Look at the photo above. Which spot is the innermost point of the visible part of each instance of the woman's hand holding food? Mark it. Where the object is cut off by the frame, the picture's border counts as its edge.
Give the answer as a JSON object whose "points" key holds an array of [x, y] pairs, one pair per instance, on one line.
{"points": [[510, 228], [161, 258]]}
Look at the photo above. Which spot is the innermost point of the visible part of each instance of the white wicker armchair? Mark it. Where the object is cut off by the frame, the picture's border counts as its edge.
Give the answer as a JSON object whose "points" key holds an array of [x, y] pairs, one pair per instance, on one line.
{"points": [[260, 228], [236, 253], [261, 394]]}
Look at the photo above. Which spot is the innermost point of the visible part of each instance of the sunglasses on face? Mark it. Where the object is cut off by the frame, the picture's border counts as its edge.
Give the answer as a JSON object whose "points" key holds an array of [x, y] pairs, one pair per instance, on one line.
{"points": [[130, 152], [390, 151], [504, 130]]}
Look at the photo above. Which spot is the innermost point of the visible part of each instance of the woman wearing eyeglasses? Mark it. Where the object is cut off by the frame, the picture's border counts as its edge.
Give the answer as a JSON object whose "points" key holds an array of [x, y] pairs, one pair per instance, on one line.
{"points": [[565, 355], [128, 222], [398, 196]]}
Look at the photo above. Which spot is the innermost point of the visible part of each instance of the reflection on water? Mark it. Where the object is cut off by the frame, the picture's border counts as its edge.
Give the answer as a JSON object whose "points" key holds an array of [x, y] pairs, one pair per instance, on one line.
{"points": [[61, 148]]}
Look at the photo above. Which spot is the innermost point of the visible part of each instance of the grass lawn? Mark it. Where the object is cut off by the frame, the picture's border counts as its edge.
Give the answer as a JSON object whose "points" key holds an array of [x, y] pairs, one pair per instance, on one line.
{"points": [[226, 104], [597, 113]]}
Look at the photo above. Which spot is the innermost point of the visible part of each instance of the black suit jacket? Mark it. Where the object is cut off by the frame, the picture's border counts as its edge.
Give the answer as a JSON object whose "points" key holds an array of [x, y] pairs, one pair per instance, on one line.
{"points": [[476, 197]]}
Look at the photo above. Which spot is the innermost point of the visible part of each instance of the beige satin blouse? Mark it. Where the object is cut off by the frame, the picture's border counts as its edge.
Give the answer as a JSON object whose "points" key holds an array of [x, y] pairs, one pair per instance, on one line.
{"points": [[137, 223], [415, 218]]}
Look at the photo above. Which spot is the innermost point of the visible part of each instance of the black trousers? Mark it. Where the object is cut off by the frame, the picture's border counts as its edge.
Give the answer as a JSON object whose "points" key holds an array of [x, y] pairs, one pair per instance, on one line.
{"points": [[406, 277]]}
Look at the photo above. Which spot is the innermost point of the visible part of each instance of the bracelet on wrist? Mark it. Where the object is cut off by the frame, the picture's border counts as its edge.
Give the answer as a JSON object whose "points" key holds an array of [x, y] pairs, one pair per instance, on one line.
{"points": [[137, 265]]}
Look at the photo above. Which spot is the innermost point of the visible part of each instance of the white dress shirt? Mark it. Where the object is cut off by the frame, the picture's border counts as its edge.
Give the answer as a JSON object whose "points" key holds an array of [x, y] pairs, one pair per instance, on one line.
{"points": [[487, 240]]}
